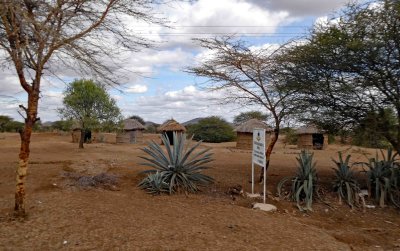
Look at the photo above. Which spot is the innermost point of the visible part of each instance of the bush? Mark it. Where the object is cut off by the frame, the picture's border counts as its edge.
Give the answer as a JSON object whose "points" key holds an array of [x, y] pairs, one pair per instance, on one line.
{"points": [[303, 183], [212, 129], [345, 183], [290, 136], [179, 168]]}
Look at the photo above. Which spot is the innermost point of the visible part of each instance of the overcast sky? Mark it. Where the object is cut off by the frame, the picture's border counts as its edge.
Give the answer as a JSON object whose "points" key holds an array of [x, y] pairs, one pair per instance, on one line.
{"points": [[162, 90]]}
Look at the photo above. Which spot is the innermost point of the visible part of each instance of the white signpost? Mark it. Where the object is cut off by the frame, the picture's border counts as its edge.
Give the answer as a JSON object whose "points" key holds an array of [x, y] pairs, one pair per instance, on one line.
{"points": [[258, 155]]}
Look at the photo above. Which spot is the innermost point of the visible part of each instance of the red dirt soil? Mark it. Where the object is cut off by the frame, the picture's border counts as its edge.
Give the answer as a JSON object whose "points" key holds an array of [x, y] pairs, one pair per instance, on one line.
{"points": [[68, 217]]}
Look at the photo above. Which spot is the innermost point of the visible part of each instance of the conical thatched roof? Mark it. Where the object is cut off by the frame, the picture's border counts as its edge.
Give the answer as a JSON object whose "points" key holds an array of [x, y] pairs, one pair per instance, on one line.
{"points": [[251, 124], [132, 124], [171, 125], [309, 129]]}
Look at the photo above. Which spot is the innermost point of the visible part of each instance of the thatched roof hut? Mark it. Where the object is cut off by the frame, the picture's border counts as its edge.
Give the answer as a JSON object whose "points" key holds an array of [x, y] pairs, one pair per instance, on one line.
{"points": [[311, 137], [169, 127], [244, 132], [76, 131], [132, 132]]}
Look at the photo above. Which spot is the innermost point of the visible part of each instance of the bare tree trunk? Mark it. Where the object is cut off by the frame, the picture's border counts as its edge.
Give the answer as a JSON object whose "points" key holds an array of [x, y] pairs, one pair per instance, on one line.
{"points": [[268, 153], [82, 139], [22, 169]]}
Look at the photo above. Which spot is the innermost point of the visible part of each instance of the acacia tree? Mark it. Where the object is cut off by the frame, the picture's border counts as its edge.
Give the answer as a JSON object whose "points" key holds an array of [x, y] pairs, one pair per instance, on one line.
{"points": [[244, 116], [247, 77], [90, 105], [41, 37], [348, 69]]}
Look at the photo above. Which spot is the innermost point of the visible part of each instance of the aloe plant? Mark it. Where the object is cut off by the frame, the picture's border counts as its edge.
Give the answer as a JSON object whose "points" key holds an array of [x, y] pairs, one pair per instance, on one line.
{"points": [[383, 178], [303, 184], [345, 183], [179, 166]]}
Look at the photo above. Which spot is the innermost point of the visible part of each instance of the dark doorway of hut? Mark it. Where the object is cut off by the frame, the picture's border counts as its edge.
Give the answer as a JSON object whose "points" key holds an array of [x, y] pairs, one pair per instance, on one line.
{"points": [[170, 136], [318, 141], [87, 136]]}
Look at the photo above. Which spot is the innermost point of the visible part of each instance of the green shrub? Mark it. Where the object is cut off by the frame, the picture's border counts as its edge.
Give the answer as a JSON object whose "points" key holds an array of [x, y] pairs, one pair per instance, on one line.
{"points": [[345, 183], [179, 167], [212, 129], [383, 178], [290, 136], [304, 182]]}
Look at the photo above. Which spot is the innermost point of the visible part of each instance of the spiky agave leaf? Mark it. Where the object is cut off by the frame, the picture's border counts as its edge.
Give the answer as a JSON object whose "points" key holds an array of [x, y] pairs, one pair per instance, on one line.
{"points": [[180, 164], [383, 178], [303, 184], [154, 183], [345, 182]]}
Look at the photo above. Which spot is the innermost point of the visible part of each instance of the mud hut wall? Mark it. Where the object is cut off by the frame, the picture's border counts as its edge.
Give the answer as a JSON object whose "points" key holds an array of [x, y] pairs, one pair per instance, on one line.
{"points": [[244, 140], [123, 137], [305, 141], [76, 135], [137, 136], [325, 141], [129, 137], [103, 137]]}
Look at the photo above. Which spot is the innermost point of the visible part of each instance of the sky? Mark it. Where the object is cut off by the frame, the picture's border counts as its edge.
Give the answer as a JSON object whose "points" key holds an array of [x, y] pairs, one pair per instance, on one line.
{"points": [[158, 88]]}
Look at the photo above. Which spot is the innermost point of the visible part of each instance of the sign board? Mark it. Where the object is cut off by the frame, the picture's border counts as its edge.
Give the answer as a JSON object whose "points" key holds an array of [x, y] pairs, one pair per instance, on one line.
{"points": [[259, 147]]}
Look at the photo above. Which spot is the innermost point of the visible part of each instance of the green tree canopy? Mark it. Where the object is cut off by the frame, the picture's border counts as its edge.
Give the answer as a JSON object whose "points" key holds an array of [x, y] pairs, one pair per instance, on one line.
{"points": [[62, 125], [349, 69], [89, 103], [212, 129], [7, 124], [244, 116]]}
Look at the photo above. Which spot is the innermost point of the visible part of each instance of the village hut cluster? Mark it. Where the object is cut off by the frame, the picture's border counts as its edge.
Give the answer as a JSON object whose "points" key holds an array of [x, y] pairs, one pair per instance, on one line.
{"points": [[131, 133], [309, 137]]}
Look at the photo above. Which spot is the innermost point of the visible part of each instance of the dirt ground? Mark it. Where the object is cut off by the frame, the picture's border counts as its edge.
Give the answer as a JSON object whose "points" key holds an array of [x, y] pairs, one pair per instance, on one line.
{"points": [[64, 217]]}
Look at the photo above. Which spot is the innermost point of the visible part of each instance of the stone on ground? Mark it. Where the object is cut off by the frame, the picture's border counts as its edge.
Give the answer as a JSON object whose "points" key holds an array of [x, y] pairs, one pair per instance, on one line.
{"points": [[265, 207]]}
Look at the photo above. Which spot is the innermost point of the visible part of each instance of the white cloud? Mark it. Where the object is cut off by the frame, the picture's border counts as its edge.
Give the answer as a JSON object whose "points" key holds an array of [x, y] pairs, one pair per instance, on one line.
{"points": [[136, 89], [9, 83], [182, 105], [300, 7], [189, 19], [209, 18]]}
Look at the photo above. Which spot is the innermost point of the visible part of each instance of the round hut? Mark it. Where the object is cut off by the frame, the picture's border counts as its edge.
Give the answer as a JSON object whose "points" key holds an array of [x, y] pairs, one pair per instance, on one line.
{"points": [[77, 132], [131, 133], [310, 137], [169, 127], [244, 133]]}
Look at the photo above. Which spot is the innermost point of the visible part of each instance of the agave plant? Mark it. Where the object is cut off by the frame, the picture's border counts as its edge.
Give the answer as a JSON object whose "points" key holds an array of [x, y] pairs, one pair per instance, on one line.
{"points": [[154, 183], [345, 183], [179, 166], [383, 178], [303, 183]]}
